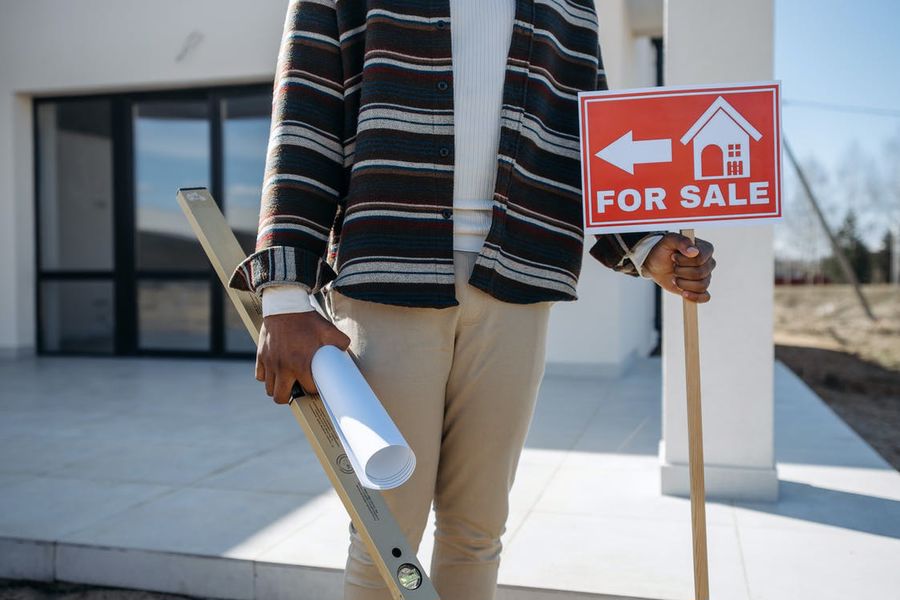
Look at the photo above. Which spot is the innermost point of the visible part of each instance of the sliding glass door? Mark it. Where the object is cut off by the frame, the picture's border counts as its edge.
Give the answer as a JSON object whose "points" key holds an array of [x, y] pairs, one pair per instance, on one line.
{"points": [[171, 149], [119, 270], [76, 290], [245, 135]]}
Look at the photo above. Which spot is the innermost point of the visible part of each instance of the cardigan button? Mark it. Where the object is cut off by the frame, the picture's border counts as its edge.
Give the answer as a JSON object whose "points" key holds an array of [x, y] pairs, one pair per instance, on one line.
{"points": [[446, 213], [445, 151], [442, 85], [441, 24]]}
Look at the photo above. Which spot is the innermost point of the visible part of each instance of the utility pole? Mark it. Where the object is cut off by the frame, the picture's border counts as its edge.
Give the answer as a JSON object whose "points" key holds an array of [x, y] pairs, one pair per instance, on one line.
{"points": [[835, 247]]}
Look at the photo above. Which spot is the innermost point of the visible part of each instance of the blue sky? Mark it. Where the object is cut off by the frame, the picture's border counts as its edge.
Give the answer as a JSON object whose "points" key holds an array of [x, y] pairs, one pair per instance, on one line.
{"points": [[838, 52], [843, 52]]}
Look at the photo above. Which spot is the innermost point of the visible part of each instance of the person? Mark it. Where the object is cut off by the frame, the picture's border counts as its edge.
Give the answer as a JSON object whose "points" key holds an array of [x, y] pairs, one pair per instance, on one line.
{"points": [[423, 173]]}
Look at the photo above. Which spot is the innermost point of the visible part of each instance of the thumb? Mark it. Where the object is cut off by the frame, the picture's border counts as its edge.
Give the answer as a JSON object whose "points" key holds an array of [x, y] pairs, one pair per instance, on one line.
{"points": [[684, 245]]}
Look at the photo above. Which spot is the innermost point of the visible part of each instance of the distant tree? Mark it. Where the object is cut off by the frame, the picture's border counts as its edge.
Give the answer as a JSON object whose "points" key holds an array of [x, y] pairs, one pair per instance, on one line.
{"points": [[800, 243], [864, 188], [859, 189], [854, 249], [881, 260]]}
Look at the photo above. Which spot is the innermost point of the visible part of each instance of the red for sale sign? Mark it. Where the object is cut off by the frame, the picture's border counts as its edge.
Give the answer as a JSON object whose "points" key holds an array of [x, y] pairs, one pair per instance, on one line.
{"points": [[680, 157]]}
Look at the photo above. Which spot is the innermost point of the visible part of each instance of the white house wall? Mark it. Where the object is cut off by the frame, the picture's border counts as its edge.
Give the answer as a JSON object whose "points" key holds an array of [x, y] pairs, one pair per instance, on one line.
{"points": [[91, 46], [628, 54], [613, 320], [101, 46]]}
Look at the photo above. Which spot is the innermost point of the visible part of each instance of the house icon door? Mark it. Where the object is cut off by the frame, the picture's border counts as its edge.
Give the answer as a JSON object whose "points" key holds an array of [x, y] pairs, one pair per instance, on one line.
{"points": [[721, 139]]}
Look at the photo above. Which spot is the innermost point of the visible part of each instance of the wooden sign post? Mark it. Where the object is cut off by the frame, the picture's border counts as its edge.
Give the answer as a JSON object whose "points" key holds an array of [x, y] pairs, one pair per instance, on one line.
{"points": [[695, 442], [682, 157]]}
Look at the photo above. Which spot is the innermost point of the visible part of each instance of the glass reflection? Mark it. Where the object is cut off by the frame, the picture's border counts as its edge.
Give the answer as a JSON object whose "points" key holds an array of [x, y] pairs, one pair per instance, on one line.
{"points": [[171, 150], [75, 185], [173, 315], [77, 316], [245, 133]]}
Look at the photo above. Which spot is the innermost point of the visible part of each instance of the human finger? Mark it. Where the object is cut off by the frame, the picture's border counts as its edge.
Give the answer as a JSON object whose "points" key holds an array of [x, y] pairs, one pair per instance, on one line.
{"points": [[695, 297], [698, 272], [270, 381], [691, 285], [283, 383]]}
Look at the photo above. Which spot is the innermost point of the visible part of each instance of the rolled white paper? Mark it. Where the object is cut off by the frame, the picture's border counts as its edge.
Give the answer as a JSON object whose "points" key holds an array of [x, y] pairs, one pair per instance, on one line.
{"points": [[377, 450]]}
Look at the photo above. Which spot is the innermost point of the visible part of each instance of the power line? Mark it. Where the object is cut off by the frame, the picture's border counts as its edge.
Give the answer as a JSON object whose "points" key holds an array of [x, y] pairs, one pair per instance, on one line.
{"points": [[849, 108]]}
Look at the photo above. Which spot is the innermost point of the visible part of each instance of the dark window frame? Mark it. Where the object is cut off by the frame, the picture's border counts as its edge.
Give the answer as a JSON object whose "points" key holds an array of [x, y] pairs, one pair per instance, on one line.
{"points": [[658, 51], [124, 275]]}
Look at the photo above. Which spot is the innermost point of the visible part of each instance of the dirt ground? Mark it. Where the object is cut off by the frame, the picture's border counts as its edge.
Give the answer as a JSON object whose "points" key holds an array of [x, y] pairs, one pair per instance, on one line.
{"points": [[24, 590], [853, 363]]}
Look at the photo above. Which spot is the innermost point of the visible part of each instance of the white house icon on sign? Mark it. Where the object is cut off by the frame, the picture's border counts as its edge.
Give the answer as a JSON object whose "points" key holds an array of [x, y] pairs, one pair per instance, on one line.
{"points": [[721, 138]]}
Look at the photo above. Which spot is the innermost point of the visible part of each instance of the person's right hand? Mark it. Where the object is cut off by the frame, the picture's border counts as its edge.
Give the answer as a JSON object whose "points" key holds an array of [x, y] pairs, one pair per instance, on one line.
{"points": [[286, 346]]}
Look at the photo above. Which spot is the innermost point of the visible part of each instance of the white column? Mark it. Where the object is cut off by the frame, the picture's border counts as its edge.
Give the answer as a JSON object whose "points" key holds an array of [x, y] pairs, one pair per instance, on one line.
{"points": [[609, 326], [716, 41], [16, 226]]}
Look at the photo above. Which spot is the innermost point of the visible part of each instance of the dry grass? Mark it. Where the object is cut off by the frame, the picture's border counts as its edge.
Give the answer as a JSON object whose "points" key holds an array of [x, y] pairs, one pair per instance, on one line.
{"points": [[830, 318], [824, 336]]}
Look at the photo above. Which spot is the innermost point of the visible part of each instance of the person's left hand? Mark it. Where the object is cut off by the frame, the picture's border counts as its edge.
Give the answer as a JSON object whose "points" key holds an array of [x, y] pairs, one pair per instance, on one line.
{"points": [[682, 267]]}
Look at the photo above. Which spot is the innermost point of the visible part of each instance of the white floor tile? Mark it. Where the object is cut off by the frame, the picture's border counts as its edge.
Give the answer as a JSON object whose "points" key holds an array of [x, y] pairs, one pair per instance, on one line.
{"points": [[237, 483], [207, 522], [155, 462], [630, 557], [320, 542], [289, 468], [823, 563], [45, 508]]}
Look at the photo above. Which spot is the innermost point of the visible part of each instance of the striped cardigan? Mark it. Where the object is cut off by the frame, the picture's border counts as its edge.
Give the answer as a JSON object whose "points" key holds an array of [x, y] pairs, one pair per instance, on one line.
{"points": [[358, 185]]}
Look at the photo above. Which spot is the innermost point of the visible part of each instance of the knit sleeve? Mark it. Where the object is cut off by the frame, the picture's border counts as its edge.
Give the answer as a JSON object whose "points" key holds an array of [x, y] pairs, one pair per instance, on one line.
{"points": [[304, 178]]}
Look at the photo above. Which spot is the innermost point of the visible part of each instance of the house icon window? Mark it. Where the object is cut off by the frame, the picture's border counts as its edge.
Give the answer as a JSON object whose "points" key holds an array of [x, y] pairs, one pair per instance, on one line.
{"points": [[721, 139]]}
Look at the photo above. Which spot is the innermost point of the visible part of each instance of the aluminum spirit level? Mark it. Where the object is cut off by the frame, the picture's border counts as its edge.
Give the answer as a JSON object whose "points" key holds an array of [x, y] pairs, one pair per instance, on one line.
{"points": [[384, 539]]}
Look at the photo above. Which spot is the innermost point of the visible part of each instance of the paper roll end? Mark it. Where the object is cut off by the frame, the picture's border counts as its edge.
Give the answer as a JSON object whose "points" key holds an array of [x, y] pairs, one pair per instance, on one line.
{"points": [[391, 466]]}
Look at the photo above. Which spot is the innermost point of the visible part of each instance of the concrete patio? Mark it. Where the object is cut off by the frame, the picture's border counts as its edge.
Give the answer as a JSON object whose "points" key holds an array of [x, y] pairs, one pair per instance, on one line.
{"points": [[181, 476]]}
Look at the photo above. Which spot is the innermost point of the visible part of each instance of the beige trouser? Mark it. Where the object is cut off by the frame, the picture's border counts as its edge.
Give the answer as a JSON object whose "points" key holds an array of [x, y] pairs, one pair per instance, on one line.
{"points": [[461, 384]]}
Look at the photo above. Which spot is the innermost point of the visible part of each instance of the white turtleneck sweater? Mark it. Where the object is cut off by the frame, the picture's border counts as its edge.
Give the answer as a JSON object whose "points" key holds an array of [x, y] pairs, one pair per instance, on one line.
{"points": [[480, 32]]}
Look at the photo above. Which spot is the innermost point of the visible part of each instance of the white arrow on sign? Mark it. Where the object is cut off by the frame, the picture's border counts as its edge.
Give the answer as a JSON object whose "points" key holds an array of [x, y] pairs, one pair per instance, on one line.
{"points": [[625, 152]]}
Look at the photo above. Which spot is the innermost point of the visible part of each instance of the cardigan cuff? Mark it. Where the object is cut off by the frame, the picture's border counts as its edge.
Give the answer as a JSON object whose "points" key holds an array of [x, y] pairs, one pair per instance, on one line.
{"points": [[279, 265], [617, 250]]}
